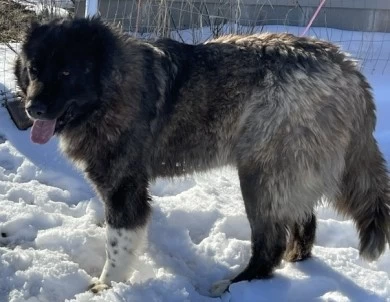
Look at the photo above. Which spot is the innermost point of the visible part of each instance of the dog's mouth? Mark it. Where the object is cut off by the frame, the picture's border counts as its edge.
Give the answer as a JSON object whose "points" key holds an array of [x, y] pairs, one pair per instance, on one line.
{"points": [[43, 130]]}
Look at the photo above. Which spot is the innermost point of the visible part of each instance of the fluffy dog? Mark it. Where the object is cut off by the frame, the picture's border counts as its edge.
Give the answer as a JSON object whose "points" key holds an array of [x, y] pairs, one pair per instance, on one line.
{"points": [[294, 115]]}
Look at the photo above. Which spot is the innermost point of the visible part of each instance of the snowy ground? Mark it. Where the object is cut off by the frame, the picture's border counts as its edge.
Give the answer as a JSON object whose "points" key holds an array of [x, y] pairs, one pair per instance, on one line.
{"points": [[52, 237]]}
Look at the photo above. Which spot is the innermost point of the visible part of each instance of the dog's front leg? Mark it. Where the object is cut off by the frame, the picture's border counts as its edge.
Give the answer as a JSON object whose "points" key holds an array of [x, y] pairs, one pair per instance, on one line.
{"points": [[127, 210]]}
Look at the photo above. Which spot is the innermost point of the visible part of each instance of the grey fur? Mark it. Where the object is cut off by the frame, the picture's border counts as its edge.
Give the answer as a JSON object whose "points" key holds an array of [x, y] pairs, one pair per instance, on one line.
{"points": [[294, 115]]}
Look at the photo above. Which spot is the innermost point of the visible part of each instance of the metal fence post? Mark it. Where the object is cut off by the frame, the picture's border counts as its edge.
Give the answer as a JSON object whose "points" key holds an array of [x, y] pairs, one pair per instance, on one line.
{"points": [[91, 8]]}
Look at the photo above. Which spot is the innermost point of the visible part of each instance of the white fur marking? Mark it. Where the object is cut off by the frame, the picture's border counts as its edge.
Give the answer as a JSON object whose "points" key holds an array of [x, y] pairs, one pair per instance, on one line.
{"points": [[121, 247]]}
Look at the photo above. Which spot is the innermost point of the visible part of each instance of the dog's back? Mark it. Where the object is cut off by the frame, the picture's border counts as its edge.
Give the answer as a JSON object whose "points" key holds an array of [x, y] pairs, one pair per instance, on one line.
{"points": [[293, 114], [297, 118]]}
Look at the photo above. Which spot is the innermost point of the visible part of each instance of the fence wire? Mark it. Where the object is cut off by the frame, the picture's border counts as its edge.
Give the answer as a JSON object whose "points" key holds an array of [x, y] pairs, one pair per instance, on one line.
{"points": [[361, 27]]}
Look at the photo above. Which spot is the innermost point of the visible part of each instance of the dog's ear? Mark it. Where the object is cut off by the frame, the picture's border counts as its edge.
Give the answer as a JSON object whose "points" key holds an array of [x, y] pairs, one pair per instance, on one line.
{"points": [[33, 25], [31, 28], [103, 41], [21, 75], [98, 29]]}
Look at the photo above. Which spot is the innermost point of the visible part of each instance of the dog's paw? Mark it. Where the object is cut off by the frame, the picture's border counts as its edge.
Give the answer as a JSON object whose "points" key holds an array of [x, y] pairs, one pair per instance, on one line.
{"points": [[219, 288], [98, 287]]}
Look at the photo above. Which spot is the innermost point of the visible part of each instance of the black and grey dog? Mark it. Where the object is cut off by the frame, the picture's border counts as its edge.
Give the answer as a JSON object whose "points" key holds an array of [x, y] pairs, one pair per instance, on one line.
{"points": [[294, 115]]}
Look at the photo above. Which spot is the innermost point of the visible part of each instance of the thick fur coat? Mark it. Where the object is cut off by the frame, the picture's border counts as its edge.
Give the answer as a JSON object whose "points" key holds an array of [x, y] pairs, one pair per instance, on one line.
{"points": [[293, 114]]}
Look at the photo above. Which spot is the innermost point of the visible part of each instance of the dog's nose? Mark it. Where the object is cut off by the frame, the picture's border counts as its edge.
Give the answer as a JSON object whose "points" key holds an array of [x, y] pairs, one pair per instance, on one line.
{"points": [[37, 110]]}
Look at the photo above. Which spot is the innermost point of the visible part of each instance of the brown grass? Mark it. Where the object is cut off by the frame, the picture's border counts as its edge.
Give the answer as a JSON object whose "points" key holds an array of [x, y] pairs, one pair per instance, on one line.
{"points": [[14, 19]]}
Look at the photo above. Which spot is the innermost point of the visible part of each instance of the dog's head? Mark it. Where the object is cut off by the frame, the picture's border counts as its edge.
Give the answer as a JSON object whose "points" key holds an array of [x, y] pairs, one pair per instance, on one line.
{"points": [[59, 70]]}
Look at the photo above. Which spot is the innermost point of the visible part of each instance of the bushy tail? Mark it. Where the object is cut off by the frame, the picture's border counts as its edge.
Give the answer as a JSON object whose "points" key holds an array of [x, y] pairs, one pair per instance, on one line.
{"points": [[365, 196]]}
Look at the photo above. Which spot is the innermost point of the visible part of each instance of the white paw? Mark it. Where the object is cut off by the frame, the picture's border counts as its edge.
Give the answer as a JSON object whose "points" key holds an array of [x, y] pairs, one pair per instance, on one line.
{"points": [[98, 287], [219, 288]]}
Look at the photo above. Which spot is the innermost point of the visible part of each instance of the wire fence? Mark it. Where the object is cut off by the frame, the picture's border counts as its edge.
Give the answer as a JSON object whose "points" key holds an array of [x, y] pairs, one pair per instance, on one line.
{"points": [[361, 27]]}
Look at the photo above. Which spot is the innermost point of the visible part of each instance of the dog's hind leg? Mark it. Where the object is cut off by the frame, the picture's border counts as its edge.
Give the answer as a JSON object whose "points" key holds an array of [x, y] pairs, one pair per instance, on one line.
{"points": [[270, 212], [301, 240], [127, 210], [268, 229], [365, 195]]}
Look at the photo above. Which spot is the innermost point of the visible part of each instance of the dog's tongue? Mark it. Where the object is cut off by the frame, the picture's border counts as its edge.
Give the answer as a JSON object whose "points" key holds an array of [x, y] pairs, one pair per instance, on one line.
{"points": [[42, 131]]}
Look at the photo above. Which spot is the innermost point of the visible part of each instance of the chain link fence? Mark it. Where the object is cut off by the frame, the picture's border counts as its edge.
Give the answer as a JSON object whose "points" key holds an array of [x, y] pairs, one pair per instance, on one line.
{"points": [[361, 27]]}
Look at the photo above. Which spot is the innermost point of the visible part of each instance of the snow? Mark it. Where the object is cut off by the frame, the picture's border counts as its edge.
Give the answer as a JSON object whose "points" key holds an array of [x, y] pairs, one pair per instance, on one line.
{"points": [[54, 8], [199, 234]]}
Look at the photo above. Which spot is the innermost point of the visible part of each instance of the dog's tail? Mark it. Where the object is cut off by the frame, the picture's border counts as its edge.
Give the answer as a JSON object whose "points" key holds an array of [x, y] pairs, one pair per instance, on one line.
{"points": [[365, 195]]}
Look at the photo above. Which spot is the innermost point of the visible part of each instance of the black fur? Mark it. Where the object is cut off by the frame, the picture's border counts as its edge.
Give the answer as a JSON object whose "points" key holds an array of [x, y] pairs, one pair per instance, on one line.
{"points": [[293, 114]]}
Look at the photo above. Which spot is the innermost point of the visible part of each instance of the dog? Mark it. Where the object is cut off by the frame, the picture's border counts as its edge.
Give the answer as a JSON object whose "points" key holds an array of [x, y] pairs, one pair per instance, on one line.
{"points": [[293, 114]]}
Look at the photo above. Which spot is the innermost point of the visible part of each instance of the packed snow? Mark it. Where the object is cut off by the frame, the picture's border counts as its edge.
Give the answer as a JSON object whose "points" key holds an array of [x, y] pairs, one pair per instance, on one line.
{"points": [[54, 8], [52, 224]]}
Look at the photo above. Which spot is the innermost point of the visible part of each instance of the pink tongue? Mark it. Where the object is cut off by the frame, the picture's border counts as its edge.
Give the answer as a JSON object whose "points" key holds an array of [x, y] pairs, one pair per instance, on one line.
{"points": [[42, 131]]}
